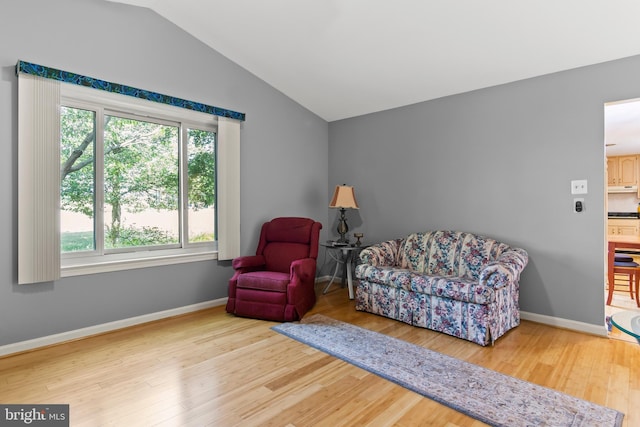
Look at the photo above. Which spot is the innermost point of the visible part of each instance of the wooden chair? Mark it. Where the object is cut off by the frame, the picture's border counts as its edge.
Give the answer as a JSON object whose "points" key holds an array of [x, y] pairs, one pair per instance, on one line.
{"points": [[625, 265]]}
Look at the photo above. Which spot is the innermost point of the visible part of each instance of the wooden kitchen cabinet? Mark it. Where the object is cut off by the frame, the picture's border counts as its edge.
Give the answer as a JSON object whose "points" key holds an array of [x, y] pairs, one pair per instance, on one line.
{"points": [[622, 170], [623, 227]]}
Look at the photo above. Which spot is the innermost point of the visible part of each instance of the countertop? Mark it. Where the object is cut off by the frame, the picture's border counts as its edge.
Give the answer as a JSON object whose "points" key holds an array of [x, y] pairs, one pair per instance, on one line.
{"points": [[622, 215]]}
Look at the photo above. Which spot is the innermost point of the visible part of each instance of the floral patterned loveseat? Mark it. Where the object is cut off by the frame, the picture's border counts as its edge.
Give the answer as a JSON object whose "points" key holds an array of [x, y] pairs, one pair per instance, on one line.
{"points": [[454, 282]]}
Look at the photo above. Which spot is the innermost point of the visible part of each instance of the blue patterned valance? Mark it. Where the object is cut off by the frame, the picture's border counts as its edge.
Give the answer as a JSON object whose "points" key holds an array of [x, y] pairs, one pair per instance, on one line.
{"points": [[77, 79]]}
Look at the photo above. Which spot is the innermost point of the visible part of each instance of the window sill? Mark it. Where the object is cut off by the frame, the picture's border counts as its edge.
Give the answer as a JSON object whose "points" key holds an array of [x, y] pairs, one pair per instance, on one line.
{"points": [[109, 263]]}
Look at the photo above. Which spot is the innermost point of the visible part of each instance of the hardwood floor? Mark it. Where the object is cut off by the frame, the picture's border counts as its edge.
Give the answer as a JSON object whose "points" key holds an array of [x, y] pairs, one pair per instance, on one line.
{"points": [[210, 368]]}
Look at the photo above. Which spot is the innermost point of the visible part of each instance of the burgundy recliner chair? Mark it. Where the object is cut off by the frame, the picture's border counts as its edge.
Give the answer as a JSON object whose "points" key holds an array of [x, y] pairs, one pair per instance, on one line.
{"points": [[277, 283]]}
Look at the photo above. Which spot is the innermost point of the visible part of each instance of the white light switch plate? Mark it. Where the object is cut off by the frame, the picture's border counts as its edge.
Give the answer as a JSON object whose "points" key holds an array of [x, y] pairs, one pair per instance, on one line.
{"points": [[579, 186]]}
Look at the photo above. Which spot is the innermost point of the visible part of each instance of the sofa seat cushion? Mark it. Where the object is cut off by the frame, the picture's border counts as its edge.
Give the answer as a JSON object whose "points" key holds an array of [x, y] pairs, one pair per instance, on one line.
{"points": [[455, 288], [390, 276], [264, 281]]}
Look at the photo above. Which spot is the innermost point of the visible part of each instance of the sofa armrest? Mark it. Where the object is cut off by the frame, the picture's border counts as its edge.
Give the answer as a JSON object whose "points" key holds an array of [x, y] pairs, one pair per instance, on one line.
{"points": [[505, 269], [248, 263], [382, 254]]}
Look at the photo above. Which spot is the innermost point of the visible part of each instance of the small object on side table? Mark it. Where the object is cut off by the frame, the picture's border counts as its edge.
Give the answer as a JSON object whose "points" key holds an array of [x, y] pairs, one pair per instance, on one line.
{"points": [[358, 236]]}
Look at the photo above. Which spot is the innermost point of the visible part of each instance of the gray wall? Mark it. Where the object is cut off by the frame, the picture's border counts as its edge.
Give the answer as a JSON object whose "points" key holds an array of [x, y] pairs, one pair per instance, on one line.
{"points": [[496, 161], [499, 162], [284, 154]]}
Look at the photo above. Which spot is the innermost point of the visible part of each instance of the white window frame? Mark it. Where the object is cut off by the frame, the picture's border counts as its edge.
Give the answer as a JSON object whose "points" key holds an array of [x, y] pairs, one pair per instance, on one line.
{"points": [[39, 258], [106, 103]]}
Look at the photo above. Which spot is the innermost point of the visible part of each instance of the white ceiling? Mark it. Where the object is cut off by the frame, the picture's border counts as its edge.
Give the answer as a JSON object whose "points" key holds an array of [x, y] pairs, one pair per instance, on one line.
{"points": [[622, 128], [344, 58]]}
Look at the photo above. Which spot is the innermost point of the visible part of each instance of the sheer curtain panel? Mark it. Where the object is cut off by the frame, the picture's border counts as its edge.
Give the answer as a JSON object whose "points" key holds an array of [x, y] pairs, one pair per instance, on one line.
{"points": [[38, 179], [229, 188]]}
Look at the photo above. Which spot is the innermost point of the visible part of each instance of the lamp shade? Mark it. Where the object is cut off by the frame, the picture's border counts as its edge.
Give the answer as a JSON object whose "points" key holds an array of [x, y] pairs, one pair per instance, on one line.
{"points": [[344, 197]]}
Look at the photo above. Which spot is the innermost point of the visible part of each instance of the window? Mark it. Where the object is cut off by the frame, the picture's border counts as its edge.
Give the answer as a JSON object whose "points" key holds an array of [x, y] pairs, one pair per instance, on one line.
{"points": [[139, 178], [136, 180], [110, 182]]}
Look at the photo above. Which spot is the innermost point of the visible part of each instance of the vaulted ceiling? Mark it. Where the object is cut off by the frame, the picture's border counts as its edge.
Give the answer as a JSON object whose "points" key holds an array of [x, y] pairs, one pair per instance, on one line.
{"points": [[343, 58]]}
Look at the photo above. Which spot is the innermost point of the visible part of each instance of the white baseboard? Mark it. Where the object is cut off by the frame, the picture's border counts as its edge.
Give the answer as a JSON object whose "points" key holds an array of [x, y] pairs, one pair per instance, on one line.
{"points": [[322, 279], [132, 321], [566, 324], [105, 327], [112, 326]]}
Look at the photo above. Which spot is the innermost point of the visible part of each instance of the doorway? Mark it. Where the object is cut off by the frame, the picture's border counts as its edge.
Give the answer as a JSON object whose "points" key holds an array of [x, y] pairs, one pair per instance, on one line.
{"points": [[622, 198]]}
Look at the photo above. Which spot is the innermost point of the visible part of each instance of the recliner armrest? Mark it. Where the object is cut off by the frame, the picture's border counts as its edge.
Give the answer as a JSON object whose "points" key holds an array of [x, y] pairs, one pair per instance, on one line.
{"points": [[249, 262], [304, 269]]}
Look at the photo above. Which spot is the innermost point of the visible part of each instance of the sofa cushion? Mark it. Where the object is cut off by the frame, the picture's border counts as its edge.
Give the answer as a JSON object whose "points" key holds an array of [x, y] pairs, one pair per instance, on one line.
{"points": [[455, 288], [449, 253], [476, 252], [396, 277]]}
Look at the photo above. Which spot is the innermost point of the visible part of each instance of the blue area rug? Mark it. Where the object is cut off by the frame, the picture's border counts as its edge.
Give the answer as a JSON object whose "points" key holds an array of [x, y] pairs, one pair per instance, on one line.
{"points": [[489, 396]]}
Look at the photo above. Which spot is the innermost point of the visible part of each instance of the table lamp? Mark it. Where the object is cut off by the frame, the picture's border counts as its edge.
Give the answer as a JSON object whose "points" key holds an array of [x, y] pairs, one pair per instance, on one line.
{"points": [[344, 198]]}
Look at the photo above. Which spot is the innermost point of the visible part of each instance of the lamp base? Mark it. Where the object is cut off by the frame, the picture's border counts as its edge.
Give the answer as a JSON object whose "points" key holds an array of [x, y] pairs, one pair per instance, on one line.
{"points": [[343, 228]]}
